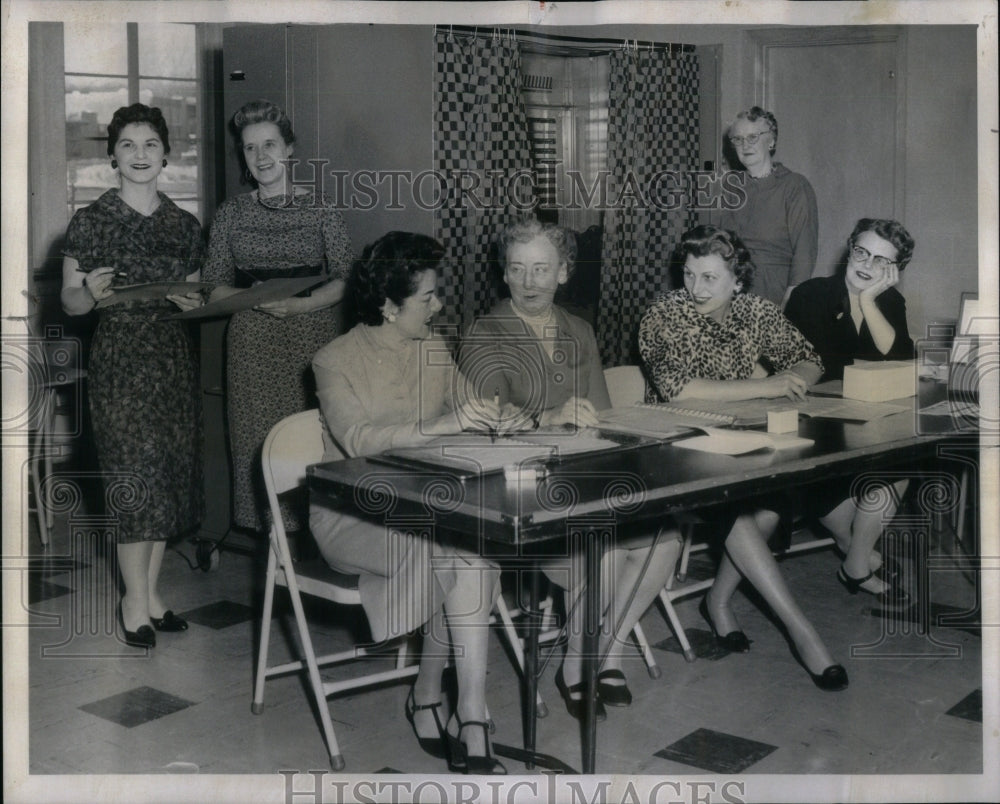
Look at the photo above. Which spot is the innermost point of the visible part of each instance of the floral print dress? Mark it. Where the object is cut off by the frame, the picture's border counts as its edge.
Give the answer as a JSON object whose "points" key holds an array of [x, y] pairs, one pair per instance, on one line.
{"points": [[145, 401]]}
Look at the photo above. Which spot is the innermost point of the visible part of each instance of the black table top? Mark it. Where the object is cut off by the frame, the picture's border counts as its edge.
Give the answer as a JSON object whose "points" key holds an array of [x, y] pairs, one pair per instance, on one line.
{"points": [[631, 485]]}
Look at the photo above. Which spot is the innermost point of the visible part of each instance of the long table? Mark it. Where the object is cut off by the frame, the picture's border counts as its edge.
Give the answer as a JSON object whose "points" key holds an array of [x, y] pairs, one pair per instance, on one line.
{"points": [[587, 499]]}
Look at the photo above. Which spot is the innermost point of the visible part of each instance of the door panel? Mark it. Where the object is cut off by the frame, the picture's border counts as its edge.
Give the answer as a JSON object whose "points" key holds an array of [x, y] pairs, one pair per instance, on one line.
{"points": [[836, 103]]}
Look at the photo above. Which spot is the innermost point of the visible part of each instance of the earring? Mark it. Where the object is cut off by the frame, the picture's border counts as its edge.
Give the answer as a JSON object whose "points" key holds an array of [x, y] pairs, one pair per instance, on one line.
{"points": [[114, 164], [390, 317], [164, 163]]}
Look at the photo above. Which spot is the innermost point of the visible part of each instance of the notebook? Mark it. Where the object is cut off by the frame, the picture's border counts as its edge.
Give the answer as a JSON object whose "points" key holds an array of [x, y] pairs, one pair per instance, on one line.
{"points": [[468, 455], [740, 442]]}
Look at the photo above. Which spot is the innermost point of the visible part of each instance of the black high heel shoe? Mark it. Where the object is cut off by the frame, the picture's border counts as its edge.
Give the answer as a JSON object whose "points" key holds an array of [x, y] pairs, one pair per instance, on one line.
{"points": [[833, 679], [435, 746], [143, 637], [734, 641], [169, 622], [461, 760], [892, 595], [613, 694], [577, 706]]}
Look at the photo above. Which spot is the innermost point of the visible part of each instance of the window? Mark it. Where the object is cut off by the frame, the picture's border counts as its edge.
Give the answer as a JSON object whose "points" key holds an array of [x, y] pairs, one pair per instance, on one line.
{"points": [[566, 103], [108, 66]]}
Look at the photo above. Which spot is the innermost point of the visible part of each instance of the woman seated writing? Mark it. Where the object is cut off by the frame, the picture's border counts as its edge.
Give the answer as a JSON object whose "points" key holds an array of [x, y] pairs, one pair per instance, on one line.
{"points": [[376, 392], [706, 341], [542, 366], [858, 314]]}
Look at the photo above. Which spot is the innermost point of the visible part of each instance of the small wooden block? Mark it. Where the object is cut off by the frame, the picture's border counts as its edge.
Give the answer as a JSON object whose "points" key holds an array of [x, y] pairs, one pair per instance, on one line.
{"points": [[785, 420]]}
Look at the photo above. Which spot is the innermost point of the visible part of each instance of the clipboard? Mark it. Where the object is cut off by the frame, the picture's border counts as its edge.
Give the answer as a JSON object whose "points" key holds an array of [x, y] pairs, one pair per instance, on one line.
{"points": [[270, 290], [150, 291]]}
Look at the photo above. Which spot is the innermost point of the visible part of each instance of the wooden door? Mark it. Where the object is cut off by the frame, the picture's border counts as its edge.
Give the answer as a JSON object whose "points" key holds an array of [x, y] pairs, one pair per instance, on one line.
{"points": [[838, 97]]}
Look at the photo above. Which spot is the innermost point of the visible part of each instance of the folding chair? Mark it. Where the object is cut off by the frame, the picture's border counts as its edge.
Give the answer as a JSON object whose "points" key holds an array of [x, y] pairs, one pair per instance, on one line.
{"points": [[293, 444]]}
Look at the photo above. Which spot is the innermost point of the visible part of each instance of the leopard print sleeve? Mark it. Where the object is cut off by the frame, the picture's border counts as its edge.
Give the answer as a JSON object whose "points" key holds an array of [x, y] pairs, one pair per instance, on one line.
{"points": [[781, 343], [666, 354]]}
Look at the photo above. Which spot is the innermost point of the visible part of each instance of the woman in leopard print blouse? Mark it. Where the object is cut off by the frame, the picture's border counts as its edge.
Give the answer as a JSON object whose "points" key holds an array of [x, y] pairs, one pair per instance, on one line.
{"points": [[711, 340]]}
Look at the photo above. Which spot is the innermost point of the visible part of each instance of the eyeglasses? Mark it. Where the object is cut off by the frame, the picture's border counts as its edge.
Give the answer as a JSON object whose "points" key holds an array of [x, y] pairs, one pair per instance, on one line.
{"points": [[749, 139], [861, 254]]}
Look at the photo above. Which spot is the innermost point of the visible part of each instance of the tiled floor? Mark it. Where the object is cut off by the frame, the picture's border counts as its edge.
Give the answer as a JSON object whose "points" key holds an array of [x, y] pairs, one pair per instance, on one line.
{"points": [[98, 706]]}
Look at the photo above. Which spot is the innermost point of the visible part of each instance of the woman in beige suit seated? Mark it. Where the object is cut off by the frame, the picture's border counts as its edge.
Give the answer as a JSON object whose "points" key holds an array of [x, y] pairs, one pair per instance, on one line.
{"points": [[376, 391]]}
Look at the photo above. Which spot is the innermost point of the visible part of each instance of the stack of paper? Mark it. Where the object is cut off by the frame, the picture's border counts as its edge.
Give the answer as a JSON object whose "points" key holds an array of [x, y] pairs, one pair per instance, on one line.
{"points": [[877, 381]]}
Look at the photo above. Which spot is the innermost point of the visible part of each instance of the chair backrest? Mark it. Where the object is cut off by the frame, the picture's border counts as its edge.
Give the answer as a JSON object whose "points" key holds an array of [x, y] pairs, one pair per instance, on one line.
{"points": [[626, 385], [293, 444]]}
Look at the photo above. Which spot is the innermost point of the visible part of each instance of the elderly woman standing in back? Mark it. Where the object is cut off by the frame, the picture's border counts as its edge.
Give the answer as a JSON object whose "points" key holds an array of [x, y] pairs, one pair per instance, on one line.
{"points": [[778, 222]]}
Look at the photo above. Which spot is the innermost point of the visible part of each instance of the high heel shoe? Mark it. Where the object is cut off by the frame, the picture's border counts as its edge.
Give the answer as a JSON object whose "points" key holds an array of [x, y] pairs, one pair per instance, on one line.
{"points": [[833, 679], [734, 641], [613, 694], [169, 622], [435, 746], [461, 760], [577, 706], [143, 637], [890, 596]]}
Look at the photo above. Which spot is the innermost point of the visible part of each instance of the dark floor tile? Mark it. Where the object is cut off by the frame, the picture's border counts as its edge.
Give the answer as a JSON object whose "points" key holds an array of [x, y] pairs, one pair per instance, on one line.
{"points": [[716, 752], [702, 642], [39, 590], [221, 614], [970, 707], [135, 707]]}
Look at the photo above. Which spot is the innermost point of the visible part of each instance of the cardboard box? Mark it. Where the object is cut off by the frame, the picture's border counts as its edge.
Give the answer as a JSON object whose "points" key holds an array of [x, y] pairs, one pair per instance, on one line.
{"points": [[880, 380]]}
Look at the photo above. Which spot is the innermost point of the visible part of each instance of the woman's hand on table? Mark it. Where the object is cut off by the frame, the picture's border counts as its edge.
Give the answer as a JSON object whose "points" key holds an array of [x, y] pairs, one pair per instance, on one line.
{"points": [[98, 283], [575, 410], [784, 383], [481, 414]]}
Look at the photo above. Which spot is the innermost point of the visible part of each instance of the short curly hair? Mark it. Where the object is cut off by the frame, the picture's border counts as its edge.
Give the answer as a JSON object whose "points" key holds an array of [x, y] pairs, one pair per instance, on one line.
{"points": [[890, 230], [755, 113], [137, 113], [705, 240], [527, 229], [262, 111], [389, 270]]}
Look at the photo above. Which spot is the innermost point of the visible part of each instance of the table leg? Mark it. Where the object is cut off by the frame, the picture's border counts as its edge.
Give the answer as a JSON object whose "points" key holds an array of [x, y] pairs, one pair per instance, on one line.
{"points": [[531, 666], [592, 625]]}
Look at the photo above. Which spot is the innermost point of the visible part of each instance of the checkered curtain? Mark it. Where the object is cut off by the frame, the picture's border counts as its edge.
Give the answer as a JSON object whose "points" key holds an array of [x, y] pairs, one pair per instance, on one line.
{"points": [[652, 127], [480, 142]]}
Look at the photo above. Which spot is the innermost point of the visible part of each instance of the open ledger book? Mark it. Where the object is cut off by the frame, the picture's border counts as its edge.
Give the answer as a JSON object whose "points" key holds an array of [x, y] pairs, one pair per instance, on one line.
{"points": [[471, 455], [671, 419]]}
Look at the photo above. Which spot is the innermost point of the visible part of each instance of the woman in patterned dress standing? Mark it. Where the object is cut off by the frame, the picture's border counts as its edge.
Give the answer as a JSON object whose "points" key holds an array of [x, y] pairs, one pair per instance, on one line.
{"points": [[143, 375], [277, 230]]}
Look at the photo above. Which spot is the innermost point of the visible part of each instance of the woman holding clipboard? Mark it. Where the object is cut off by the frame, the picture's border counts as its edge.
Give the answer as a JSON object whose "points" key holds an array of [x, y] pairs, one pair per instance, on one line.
{"points": [[276, 230], [143, 375]]}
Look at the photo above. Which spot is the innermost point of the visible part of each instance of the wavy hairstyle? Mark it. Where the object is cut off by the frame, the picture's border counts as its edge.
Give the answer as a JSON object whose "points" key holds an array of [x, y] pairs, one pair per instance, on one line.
{"points": [[890, 230], [137, 113], [707, 239], [261, 111], [389, 269], [527, 229], [755, 113]]}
